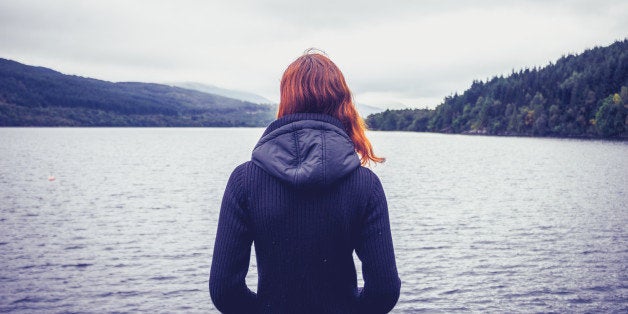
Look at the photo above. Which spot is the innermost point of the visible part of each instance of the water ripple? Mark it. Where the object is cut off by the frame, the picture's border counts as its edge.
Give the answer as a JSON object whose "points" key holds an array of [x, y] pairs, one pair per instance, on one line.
{"points": [[480, 224]]}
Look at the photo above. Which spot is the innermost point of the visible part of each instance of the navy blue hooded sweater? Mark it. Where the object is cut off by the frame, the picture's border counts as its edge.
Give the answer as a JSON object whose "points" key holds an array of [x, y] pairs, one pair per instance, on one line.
{"points": [[307, 204]]}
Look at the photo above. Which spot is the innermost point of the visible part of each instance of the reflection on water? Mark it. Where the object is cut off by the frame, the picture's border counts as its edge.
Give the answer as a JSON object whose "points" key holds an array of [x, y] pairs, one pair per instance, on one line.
{"points": [[479, 223]]}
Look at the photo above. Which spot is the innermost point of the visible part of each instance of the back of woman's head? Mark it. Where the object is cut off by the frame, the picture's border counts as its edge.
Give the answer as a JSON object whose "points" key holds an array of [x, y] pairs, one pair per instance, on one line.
{"points": [[313, 83]]}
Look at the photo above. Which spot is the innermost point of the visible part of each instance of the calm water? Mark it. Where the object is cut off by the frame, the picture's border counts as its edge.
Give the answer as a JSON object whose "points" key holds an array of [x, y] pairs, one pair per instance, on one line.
{"points": [[483, 224]]}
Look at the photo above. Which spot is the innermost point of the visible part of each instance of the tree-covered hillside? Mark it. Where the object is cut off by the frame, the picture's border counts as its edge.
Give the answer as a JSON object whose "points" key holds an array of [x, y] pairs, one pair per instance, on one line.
{"points": [[36, 96], [583, 95]]}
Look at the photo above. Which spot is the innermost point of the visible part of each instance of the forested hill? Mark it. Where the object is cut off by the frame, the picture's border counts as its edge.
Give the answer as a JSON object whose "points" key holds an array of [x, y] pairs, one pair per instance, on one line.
{"points": [[583, 95], [37, 96]]}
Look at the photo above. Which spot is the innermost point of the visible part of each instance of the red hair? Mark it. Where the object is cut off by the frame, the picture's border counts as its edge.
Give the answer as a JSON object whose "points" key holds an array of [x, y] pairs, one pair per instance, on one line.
{"points": [[313, 83]]}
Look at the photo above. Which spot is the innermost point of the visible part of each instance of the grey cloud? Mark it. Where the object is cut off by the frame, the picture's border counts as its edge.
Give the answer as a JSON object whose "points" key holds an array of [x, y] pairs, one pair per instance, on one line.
{"points": [[384, 47]]}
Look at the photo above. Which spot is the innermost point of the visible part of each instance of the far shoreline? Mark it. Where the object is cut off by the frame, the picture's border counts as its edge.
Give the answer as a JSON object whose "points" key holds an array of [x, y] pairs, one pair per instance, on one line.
{"points": [[591, 138]]}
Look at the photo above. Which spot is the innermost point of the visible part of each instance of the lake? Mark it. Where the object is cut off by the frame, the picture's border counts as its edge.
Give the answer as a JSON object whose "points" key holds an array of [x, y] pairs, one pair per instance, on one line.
{"points": [[483, 224]]}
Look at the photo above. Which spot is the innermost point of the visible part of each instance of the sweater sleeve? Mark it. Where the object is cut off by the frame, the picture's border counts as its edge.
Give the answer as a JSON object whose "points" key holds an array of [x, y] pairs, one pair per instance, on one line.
{"points": [[232, 250], [375, 251]]}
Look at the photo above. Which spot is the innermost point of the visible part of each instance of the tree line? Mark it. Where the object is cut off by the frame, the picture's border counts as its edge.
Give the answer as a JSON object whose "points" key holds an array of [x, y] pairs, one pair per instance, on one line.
{"points": [[583, 95]]}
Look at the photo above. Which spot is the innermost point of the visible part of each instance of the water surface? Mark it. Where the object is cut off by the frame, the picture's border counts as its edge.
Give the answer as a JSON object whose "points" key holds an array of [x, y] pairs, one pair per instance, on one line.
{"points": [[479, 223]]}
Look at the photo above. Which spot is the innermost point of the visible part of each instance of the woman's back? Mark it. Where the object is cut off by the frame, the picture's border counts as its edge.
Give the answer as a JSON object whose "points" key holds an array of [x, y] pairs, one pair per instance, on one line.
{"points": [[305, 226], [307, 203]]}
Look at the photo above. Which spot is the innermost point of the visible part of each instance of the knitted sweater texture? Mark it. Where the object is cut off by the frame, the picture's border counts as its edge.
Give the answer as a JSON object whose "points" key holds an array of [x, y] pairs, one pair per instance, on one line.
{"points": [[307, 204]]}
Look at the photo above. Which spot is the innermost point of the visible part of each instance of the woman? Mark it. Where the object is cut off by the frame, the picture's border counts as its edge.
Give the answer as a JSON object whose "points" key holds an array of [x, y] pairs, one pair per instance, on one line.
{"points": [[307, 202]]}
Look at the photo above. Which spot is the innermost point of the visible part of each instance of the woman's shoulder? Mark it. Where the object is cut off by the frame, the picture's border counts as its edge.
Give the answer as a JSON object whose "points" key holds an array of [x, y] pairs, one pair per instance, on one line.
{"points": [[247, 169], [241, 168], [367, 176], [239, 173], [366, 171]]}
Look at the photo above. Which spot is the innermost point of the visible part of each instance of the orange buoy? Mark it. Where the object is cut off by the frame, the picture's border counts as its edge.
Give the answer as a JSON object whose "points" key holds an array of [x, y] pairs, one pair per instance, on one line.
{"points": [[51, 178]]}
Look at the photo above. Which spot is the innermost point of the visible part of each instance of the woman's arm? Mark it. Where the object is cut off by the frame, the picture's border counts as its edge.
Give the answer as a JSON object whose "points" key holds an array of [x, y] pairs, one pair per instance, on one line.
{"points": [[375, 250], [232, 252]]}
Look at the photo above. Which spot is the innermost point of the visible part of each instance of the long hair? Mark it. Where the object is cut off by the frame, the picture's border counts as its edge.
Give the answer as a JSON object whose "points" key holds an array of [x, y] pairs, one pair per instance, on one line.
{"points": [[313, 83]]}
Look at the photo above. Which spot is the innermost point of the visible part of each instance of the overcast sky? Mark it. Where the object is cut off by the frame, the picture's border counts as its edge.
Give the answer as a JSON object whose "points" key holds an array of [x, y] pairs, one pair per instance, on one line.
{"points": [[392, 52]]}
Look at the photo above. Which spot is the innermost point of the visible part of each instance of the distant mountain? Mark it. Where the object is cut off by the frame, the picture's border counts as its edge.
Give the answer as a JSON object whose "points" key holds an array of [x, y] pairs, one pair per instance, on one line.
{"points": [[583, 95], [366, 110], [389, 105], [235, 94], [37, 96]]}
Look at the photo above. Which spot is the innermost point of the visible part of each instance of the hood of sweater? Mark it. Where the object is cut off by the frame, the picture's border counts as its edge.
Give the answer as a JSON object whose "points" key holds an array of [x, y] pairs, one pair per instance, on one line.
{"points": [[306, 149]]}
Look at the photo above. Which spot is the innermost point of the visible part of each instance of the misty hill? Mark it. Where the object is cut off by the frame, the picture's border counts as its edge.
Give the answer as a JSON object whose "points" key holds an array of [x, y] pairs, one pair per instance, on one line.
{"points": [[583, 95], [365, 110], [37, 96], [230, 93]]}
